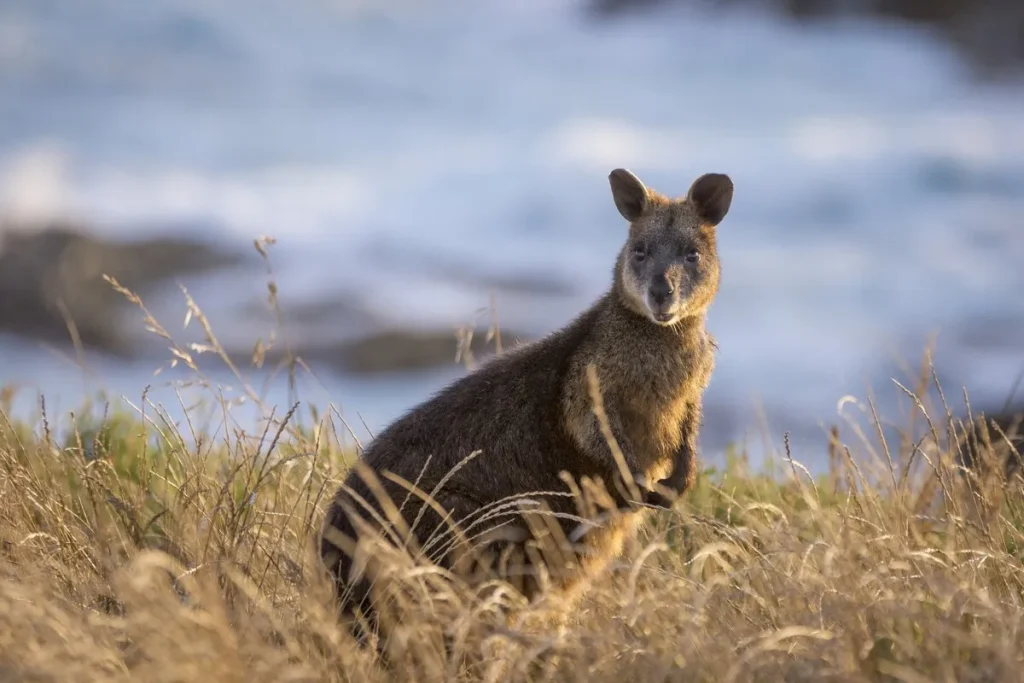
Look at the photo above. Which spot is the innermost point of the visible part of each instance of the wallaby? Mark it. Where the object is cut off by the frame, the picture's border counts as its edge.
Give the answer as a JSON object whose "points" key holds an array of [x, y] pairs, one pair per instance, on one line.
{"points": [[529, 416]]}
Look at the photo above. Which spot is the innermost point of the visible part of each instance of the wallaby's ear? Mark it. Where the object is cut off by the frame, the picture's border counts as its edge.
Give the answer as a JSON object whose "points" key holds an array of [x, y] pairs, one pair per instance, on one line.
{"points": [[711, 196], [629, 194]]}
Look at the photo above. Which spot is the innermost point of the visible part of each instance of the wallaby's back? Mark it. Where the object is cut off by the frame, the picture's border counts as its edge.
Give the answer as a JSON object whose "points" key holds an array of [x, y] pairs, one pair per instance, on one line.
{"points": [[508, 411]]}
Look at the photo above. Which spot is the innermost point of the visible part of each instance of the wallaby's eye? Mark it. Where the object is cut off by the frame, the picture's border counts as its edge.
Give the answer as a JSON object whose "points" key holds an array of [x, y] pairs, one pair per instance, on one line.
{"points": [[639, 253], [692, 256]]}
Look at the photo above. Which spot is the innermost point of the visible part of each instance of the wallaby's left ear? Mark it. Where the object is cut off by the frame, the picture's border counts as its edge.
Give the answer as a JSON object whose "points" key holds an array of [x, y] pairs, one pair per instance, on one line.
{"points": [[711, 196], [629, 193]]}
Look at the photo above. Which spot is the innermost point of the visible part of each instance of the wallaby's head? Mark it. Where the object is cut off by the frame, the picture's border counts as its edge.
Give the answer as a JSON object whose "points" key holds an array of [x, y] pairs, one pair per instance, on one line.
{"points": [[668, 268]]}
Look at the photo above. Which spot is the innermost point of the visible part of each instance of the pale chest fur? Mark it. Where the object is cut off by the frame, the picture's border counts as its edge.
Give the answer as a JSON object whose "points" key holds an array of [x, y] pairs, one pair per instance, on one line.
{"points": [[662, 384]]}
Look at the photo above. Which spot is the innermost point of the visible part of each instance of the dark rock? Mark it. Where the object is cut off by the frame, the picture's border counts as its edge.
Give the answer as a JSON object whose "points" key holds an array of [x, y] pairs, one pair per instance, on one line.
{"points": [[395, 350], [51, 279], [408, 350], [338, 311], [614, 7], [989, 32]]}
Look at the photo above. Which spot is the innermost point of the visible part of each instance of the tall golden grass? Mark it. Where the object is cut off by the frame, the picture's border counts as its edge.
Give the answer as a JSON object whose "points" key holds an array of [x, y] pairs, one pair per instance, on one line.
{"points": [[134, 548]]}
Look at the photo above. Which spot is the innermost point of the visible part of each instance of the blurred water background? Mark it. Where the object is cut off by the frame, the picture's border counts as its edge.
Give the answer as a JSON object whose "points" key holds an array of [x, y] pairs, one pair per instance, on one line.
{"points": [[415, 159]]}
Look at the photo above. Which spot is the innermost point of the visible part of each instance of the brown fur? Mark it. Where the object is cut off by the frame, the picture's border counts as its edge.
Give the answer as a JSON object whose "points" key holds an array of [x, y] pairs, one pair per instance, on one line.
{"points": [[530, 413]]}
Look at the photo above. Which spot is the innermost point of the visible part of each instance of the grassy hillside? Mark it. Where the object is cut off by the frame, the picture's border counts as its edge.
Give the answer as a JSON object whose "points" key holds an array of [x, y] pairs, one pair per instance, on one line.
{"points": [[132, 548]]}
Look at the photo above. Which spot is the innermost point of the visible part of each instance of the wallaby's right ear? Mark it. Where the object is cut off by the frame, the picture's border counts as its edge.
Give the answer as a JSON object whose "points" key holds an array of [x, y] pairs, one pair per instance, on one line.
{"points": [[629, 194], [711, 196]]}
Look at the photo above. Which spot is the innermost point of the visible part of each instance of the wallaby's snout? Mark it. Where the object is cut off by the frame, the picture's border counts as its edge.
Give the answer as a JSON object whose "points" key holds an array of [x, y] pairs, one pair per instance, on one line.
{"points": [[669, 290], [662, 297], [661, 289]]}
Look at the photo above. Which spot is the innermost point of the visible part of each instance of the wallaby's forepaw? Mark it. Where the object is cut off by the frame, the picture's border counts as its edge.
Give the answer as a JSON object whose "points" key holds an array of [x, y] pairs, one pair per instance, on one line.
{"points": [[651, 497], [657, 499], [648, 498]]}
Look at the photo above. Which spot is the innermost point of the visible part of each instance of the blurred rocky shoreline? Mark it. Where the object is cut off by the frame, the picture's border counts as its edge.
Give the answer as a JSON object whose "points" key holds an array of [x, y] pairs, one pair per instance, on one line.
{"points": [[989, 33], [52, 288], [52, 291]]}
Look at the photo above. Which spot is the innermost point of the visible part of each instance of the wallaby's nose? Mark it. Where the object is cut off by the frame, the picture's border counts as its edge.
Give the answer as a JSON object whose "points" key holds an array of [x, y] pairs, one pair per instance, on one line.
{"points": [[660, 289]]}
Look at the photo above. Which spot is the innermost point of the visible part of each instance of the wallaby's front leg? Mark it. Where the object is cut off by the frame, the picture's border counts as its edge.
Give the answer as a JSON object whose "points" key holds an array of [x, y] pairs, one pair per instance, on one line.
{"points": [[604, 450], [627, 496], [684, 471], [594, 419]]}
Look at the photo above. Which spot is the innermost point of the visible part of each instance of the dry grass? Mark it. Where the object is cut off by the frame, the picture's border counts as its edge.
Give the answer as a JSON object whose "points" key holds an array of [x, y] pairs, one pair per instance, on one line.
{"points": [[132, 548]]}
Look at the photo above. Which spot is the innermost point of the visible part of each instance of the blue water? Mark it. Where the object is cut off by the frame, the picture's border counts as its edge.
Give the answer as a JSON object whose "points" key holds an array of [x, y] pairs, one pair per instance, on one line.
{"points": [[879, 191]]}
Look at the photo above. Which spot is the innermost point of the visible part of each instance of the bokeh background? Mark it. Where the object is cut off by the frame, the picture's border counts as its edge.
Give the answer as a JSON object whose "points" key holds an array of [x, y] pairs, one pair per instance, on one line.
{"points": [[421, 163]]}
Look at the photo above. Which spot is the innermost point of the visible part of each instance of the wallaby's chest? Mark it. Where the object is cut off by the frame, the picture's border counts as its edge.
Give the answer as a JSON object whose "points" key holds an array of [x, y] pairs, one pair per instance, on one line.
{"points": [[666, 383], [661, 374]]}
